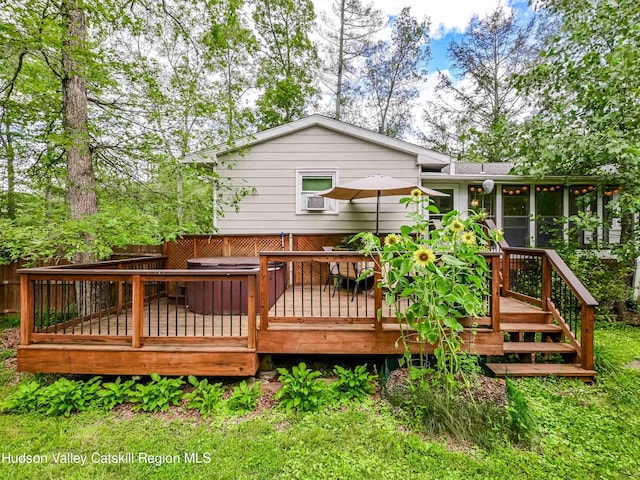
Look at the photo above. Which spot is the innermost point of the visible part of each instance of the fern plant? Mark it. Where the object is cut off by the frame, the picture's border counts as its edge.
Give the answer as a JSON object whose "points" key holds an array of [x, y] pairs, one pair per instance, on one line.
{"points": [[158, 395], [65, 396], [205, 397], [244, 398], [301, 390], [353, 384], [115, 393]]}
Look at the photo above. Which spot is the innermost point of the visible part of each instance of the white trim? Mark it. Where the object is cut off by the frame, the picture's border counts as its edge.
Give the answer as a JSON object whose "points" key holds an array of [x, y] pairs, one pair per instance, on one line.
{"points": [[334, 207], [499, 208], [532, 215], [423, 155]]}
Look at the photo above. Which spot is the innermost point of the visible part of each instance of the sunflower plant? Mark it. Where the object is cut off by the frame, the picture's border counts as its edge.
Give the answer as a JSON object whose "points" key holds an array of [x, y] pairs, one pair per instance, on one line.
{"points": [[434, 280]]}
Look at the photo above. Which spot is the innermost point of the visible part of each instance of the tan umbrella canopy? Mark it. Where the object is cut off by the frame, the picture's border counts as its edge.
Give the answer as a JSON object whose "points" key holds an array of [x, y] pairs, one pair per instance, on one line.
{"points": [[376, 186]]}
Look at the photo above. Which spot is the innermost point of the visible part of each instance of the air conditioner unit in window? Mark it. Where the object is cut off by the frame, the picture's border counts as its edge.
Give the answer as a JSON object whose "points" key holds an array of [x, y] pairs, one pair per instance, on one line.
{"points": [[315, 202]]}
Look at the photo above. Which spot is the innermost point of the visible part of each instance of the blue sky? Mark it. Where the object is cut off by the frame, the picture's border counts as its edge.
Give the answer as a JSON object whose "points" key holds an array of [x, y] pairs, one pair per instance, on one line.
{"points": [[448, 18]]}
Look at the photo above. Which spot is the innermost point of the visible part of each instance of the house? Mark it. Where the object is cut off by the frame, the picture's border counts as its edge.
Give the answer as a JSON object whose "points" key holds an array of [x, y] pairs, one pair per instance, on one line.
{"points": [[288, 165], [154, 314]]}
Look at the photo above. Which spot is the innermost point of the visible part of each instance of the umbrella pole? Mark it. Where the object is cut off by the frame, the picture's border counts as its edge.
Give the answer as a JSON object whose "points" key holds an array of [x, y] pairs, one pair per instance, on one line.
{"points": [[377, 210]]}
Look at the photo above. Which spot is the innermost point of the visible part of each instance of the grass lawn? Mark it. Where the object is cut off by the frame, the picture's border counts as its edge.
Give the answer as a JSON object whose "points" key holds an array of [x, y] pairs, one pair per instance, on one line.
{"points": [[584, 431]]}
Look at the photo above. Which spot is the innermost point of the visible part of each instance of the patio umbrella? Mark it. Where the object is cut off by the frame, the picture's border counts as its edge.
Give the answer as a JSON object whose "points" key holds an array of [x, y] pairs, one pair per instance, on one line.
{"points": [[376, 186]]}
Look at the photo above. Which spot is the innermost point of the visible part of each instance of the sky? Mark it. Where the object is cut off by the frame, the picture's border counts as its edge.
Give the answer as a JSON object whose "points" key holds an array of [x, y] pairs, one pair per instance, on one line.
{"points": [[448, 18]]}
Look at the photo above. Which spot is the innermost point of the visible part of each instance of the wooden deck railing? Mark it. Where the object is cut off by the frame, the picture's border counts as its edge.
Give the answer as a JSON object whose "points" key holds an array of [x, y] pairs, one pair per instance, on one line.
{"points": [[542, 278], [127, 302], [324, 290]]}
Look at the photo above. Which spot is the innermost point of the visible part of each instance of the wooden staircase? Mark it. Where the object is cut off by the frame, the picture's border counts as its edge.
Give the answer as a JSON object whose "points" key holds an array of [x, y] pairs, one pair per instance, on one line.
{"points": [[535, 345]]}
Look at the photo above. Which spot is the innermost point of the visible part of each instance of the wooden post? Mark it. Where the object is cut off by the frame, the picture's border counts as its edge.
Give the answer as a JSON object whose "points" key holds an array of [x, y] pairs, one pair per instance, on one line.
{"points": [[26, 309], [377, 300], [495, 293], [506, 257], [251, 312], [586, 336], [546, 283], [138, 310], [120, 300], [264, 292]]}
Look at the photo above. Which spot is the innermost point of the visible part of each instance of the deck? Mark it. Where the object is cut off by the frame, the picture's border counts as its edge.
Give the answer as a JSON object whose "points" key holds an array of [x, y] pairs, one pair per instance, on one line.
{"points": [[138, 320]]}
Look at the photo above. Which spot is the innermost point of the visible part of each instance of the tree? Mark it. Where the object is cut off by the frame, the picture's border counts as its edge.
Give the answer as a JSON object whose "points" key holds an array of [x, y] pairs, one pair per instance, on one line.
{"points": [[347, 37], [81, 193], [587, 87], [393, 72], [288, 62], [479, 105]]}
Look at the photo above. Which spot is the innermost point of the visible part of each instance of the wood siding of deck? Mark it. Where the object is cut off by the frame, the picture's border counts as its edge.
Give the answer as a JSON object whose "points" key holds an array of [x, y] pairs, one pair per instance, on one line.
{"points": [[270, 168]]}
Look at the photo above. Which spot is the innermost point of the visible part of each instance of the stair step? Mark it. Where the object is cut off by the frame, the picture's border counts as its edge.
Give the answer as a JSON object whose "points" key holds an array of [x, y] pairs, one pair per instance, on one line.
{"points": [[540, 370], [538, 347], [530, 327], [525, 317]]}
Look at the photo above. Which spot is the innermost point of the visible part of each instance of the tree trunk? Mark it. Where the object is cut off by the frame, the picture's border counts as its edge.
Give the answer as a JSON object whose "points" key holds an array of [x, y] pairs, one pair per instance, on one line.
{"points": [[81, 193], [340, 62], [11, 172]]}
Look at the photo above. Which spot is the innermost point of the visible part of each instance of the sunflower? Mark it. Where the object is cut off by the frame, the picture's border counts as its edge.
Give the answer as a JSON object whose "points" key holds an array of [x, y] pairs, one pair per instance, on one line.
{"points": [[423, 256], [416, 194], [392, 239], [468, 238], [456, 226]]}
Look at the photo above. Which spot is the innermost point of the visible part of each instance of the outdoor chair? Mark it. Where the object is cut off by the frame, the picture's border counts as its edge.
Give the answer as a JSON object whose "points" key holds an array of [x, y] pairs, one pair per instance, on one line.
{"points": [[351, 272], [334, 271]]}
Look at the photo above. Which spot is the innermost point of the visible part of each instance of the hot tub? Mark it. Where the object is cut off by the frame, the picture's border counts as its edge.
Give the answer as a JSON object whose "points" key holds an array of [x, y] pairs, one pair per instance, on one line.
{"points": [[230, 296]]}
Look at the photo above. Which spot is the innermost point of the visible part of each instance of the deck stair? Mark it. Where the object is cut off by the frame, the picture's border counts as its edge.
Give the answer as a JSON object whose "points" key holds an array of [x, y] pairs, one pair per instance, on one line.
{"points": [[535, 346]]}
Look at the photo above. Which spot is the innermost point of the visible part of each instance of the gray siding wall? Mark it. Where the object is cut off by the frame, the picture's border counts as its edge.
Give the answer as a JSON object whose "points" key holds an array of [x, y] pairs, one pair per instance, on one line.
{"points": [[271, 167]]}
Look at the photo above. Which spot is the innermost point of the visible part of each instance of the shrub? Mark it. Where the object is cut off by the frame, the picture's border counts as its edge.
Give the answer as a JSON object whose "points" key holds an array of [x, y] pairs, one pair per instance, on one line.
{"points": [[64, 396], [115, 393], [158, 394], [301, 390], [244, 398], [353, 384], [205, 397], [27, 398]]}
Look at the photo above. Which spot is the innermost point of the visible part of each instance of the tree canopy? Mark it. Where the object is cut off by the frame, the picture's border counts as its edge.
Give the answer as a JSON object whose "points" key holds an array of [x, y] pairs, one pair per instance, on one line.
{"points": [[587, 86]]}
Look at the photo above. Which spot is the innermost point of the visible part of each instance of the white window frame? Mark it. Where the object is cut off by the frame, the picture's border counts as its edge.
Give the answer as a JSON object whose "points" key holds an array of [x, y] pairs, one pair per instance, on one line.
{"points": [[331, 204]]}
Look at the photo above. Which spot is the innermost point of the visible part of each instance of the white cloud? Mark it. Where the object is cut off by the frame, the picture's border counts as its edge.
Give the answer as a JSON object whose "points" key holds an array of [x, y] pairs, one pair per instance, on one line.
{"points": [[446, 16]]}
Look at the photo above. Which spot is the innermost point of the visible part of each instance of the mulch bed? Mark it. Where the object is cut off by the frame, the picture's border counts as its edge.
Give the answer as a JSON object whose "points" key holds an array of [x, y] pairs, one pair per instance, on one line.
{"points": [[484, 390], [10, 338]]}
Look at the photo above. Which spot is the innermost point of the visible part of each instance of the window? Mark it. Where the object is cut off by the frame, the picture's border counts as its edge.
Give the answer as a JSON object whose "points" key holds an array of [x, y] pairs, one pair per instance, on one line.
{"points": [[481, 201], [515, 214], [548, 214], [308, 184], [444, 204], [582, 199]]}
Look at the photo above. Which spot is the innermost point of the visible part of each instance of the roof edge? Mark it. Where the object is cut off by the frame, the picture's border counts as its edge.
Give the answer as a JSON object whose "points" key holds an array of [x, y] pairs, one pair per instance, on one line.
{"points": [[423, 155]]}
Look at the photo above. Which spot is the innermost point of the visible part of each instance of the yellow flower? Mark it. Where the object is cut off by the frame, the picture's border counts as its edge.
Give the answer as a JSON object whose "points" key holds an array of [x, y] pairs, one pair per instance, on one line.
{"points": [[424, 256], [416, 193], [392, 239], [498, 234], [456, 226], [469, 238]]}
